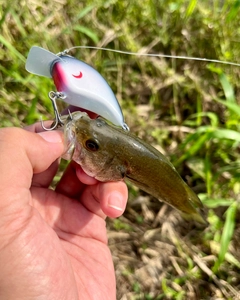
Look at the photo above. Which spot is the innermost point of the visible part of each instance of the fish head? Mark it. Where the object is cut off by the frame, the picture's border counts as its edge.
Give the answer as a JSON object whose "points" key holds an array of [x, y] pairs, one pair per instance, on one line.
{"points": [[89, 143], [80, 84]]}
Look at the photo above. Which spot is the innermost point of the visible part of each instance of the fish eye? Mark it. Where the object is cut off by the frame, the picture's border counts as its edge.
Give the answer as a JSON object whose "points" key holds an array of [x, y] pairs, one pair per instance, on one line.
{"points": [[91, 145]]}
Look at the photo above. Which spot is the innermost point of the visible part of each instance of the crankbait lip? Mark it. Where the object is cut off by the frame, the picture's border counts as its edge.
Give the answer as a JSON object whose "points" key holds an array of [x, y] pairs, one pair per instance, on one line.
{"points": [[40, 64]]}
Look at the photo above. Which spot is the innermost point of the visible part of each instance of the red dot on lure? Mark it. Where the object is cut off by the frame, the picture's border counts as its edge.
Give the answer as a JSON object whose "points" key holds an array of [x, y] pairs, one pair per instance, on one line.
{"points": [[80, 75]]}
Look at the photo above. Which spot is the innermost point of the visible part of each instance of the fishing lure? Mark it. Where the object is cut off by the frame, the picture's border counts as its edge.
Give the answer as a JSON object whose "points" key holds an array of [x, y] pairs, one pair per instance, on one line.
{"points": [[77, 84]]}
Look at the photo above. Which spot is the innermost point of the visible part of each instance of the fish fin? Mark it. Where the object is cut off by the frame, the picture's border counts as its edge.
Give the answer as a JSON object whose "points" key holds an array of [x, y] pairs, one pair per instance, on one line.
{"points": [[39, 61], [196, 217], [196, 204], [193, 198]]}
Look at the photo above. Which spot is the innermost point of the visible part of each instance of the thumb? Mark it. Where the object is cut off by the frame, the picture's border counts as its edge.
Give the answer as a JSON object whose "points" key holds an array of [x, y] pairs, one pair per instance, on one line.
{"points": [[53, 147], [23, 154]]}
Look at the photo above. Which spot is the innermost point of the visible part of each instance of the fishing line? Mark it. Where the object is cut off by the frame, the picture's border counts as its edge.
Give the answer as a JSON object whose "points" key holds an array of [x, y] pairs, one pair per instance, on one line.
{"points": [[152, 55]]}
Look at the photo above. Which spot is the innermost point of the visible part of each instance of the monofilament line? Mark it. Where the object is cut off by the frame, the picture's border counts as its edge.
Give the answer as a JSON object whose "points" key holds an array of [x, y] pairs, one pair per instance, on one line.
{"points": [[152, 55]]}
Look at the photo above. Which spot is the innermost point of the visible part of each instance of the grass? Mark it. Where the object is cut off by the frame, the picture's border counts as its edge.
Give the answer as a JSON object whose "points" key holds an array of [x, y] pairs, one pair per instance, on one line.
{"points": [[189, 110]]}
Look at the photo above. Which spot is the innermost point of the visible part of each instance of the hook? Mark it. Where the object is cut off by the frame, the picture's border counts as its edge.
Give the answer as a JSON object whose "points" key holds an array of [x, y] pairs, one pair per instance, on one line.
{"points": [[70, 115], [58, 122]]}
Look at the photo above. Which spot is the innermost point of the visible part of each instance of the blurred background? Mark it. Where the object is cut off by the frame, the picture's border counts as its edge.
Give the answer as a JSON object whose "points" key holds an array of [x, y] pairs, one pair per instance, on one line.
{"points": [[189, 110]]}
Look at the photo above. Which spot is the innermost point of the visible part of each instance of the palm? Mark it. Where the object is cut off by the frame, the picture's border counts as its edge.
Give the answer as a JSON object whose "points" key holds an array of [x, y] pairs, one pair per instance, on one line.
{"points": [[76, 238], [70, 240]]}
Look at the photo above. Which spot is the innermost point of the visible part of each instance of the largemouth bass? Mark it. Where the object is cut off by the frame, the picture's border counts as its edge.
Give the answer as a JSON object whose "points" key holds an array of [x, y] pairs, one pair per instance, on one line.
{"points": [[109, 153]]}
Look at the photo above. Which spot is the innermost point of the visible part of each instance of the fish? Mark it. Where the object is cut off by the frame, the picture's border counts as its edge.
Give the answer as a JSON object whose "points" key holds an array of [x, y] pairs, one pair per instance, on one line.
{"points": [[77, 83], [109, 153]]}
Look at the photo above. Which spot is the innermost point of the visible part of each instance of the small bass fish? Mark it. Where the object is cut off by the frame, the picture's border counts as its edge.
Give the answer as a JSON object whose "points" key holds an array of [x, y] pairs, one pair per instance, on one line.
{"points": [[109, 153]]}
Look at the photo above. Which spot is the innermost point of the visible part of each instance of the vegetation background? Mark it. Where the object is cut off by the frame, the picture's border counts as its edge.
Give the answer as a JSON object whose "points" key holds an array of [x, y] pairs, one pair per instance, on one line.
{"points": [[187, 109]]}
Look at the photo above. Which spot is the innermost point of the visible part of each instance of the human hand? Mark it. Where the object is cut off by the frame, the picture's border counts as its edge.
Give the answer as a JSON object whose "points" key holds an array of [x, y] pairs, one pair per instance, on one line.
{"points": [[53, 244]]}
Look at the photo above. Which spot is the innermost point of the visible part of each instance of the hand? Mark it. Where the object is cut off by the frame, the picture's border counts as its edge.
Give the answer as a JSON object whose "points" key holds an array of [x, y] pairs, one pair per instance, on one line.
{"points": [[53, 244]]}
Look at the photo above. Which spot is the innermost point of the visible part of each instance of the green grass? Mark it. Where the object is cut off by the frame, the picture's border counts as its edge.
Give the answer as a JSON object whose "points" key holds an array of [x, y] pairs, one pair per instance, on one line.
{"points": [[189, 109]]}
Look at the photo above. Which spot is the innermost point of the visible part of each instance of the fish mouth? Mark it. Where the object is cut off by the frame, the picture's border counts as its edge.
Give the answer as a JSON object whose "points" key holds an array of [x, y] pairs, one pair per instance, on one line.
{"points": [[71, 145], [69, 140]]}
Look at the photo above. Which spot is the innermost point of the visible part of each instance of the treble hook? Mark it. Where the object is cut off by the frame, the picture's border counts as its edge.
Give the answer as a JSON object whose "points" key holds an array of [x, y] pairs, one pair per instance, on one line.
{"points": [[58, 122]]}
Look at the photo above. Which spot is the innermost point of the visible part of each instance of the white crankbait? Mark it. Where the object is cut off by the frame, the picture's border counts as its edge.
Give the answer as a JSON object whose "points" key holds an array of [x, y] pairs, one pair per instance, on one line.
{"points": [[77, 84]]}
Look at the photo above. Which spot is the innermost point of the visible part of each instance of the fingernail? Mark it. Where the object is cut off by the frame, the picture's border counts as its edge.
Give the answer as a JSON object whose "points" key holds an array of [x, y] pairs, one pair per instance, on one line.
{"points": [[115, 201], [51, 136]]}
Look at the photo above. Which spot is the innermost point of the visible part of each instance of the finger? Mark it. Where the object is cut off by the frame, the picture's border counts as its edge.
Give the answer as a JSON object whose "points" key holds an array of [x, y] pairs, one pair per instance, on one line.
{"points": [[23, 154], [113, 198], [73, 181], [83, 177], [106, 198], [90, 200], [45, 178], [37, 127], [69, 185]]}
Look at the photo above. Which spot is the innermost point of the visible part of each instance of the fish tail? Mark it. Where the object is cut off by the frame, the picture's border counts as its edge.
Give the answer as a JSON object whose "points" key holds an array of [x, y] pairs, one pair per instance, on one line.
{"points": [[195, 203], [194, 216], [193, 198]]}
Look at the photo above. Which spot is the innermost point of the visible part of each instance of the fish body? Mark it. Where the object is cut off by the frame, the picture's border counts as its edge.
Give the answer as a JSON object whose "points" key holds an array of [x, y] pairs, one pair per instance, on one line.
{"points": [[109, 153], [79, 83]]}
